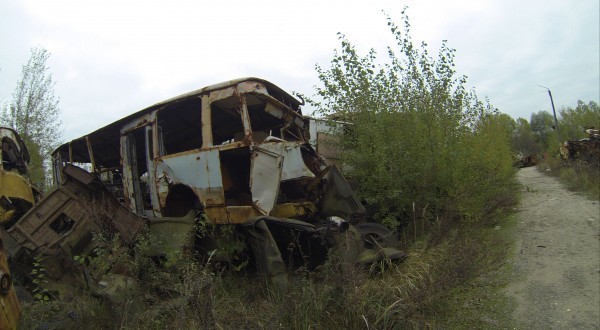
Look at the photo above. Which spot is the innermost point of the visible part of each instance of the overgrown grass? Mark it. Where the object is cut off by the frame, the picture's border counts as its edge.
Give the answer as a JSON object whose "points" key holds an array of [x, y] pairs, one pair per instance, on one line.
{"points": [[480, 303], [577, 175], [453, 278]]}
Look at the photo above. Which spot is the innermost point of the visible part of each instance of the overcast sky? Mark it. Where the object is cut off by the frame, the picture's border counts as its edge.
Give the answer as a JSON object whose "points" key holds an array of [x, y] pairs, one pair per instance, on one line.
{"points": [[113, 57]]}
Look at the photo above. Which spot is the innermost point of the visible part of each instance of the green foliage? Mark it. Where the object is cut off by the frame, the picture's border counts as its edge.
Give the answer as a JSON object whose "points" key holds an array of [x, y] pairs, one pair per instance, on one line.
{"points": [[34, 113], [39, 281], [574, 121], [542, 136], [543, 127], [417, 134], [524, 141]]}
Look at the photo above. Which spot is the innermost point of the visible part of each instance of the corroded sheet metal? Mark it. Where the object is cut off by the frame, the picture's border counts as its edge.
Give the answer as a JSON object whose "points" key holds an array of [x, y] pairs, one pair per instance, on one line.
{"points": [[339, 198], [128, 189], [293, 164], [199, 170], [231, 214], [274, 107], [138, 122], [67, 217], [252, 87], [13, 187], [293, 210], [172, 236], [267, 254], [265, 175]]}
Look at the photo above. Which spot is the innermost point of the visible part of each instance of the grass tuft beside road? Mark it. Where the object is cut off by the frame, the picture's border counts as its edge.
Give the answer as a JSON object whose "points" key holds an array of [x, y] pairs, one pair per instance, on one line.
{"points": [[577, 175], [480, 303]]}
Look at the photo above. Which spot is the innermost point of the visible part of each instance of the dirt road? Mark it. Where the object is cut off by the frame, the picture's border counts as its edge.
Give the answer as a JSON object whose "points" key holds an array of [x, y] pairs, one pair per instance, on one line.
{"points": [[557, 258]]}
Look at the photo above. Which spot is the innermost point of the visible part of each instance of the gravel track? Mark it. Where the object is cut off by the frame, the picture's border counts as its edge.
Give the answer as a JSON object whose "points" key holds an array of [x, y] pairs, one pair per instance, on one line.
{"points": [[556, 281]]}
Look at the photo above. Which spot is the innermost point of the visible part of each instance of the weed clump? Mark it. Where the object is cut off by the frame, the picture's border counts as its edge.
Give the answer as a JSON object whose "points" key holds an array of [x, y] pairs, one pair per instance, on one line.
{"points": [[577, 174]]}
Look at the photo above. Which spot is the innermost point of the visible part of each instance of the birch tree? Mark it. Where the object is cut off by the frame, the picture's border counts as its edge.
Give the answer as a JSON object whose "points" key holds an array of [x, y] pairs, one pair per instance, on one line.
{"points": [[419, 136], [34, 113]]}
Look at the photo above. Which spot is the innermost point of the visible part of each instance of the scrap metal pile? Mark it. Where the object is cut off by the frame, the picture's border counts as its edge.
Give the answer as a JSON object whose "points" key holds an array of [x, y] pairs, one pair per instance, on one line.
{"points": [[586, 149]]}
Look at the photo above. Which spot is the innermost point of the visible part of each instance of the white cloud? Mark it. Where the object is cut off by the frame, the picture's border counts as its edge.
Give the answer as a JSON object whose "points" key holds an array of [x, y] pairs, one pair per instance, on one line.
{"points": [[113, 57]]}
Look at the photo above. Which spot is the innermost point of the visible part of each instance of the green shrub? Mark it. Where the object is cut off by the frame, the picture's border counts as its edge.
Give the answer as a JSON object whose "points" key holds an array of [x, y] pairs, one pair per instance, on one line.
{"points": [[417, 136]]}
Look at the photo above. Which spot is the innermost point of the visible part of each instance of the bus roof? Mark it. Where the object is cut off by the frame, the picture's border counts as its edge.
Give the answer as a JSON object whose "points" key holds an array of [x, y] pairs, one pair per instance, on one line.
{"points": [[105, 141]]}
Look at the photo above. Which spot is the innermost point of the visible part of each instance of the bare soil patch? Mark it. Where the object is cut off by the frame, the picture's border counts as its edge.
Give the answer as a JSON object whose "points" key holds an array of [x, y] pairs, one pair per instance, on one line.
{"points": [[557, 258]]}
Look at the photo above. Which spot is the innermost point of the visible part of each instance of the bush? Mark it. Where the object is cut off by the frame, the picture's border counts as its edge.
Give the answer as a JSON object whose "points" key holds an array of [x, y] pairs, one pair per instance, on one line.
{"points": [[417, 139]]}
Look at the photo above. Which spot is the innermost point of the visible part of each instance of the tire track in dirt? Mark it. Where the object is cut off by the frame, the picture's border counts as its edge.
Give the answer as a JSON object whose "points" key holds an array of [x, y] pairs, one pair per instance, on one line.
{"points": [[557, 258]]}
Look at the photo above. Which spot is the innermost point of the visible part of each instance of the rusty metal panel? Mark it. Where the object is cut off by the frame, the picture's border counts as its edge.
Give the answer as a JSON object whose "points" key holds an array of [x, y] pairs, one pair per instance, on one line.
{"points": [[292, 210], [30, 231], [199, 170], [231, 214], [252, 87], [265, 175], [146, 119], [172, 236], [293, 164], [240, 214], [339, 199], [90, 152], [70, 213], [13, 188], [16, 192], [128, 189]]}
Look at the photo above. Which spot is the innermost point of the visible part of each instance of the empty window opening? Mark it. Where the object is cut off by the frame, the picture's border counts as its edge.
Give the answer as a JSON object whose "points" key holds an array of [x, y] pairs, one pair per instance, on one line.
{"points": [[62, 225], [226, 116], [180, 127]]}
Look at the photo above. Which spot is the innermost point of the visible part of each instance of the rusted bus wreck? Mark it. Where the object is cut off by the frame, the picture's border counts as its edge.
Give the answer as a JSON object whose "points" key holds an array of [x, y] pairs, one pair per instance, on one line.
{"points": [[237, 149], [235, 153]]}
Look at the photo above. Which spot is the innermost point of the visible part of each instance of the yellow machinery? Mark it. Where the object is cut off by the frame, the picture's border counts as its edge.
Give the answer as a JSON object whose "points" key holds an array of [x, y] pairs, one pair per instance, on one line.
{"points": [[16, 193], [16, 198]]}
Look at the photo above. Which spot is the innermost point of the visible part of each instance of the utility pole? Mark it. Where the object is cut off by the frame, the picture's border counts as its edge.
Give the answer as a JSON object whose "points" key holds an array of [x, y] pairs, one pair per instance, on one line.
{"points": [[553, 112]]}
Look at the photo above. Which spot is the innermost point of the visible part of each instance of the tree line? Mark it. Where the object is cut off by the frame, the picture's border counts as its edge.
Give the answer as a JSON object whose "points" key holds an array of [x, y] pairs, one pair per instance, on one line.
{"points": [[540, 134]]}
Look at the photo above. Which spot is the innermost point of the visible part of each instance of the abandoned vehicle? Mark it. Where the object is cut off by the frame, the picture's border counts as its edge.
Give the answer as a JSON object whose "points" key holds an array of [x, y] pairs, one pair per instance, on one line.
{"points": [[17, 196], [235, 153], [16, 192]]}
